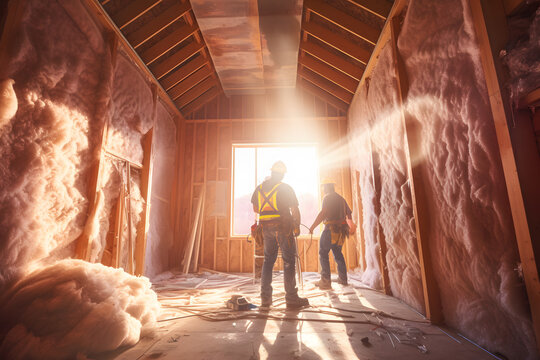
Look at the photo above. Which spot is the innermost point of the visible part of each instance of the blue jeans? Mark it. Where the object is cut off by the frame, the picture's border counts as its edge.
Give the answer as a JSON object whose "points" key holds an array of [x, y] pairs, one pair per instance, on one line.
{"points": [[325, 245], [274, 237]]}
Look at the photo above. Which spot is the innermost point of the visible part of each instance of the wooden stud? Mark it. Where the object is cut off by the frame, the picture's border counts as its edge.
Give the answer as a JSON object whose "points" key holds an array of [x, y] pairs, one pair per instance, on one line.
{"points": [[487, 19], [146, 188], [360, 219], [337, 41], [195, 92], [160, 22], [183, 72], [326, 85], [132, 11], [169, 64], [343, 20], [380, 8], [329, 73], [192, 80], [167, 43], [413, 149]]}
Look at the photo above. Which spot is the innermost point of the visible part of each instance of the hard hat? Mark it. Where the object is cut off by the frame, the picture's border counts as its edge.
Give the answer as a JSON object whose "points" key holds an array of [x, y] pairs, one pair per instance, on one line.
{"points": [[328, 181], [279, 167]]}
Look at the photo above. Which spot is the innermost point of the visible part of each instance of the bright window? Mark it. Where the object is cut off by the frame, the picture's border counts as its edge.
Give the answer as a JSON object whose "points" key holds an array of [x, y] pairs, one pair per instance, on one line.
{"points": [[252, 165]]}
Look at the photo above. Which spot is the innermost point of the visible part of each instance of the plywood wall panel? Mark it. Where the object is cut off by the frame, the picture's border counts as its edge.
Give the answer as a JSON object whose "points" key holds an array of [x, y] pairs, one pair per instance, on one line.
{"points": [[235, 255]]}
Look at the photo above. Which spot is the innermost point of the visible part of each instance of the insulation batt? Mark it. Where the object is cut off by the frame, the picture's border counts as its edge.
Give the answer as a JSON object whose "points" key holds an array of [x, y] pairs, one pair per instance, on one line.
{"points": [[75, 308], [472, 246], [50, 306]]}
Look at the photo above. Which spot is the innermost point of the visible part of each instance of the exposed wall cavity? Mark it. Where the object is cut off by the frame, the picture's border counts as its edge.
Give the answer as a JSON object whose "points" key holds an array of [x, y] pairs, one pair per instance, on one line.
{"points": [[473, 249], [66, 87]]}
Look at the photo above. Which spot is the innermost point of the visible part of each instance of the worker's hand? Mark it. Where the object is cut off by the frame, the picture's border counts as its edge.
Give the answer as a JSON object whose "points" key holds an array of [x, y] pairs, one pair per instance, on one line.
{"points": [[311, 230]]}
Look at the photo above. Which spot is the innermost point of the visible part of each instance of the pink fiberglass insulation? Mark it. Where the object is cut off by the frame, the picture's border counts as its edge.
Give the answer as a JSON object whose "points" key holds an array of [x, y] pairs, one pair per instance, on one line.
{"points": [[63, 73], [473, 250], [132, 111], [523, 53], [73, 309], [378, 121], [160, 233]]}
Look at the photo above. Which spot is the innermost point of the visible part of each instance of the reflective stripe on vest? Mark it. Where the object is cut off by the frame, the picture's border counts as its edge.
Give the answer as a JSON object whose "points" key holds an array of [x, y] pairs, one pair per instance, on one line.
{"points": [[268, 209]]}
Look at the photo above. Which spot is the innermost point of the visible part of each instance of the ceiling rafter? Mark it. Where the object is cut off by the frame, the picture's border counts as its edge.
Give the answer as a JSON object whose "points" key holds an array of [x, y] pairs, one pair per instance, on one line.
{"points": [[160, 22], [332, 59], [380, 8], [201, 100], [342, 19], [183, 72], [176, 59], [196, 91], [192, 80], [167, 43], [322, 94], [133, 11], [337, 41], [330, 87], [346, 82]]}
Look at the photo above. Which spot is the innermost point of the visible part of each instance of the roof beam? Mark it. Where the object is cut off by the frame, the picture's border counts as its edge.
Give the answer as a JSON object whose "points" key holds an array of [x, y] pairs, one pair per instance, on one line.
{"points": [[343, 20], [326, 85], [176, 59], [317, 91], [190, 82], [332, 59], [133, 11], [337, 41], [200, 101], [380, 8], [183, 72], [329, 72], [167, 17], [195, 92], [167, 43]]}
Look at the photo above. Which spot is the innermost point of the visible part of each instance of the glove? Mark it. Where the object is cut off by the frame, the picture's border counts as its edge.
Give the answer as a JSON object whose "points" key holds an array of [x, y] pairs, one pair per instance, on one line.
{"points": [[296, 230]]}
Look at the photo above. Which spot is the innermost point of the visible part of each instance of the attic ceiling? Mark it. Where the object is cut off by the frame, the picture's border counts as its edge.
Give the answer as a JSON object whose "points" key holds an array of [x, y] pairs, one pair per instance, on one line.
{"points": [[197, 50]]}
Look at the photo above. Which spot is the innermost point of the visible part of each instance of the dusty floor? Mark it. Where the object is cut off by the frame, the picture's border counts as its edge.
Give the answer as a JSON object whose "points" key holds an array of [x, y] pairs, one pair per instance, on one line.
{"points": [[317, 332]]}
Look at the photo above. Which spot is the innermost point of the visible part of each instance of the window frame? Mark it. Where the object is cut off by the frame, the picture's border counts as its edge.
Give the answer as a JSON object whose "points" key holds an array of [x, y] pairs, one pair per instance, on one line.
{"points": [[266, 145]]}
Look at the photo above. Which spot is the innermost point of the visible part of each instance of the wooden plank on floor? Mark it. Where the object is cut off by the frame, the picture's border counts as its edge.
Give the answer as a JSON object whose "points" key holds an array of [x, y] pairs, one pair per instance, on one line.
{"points": [[158, 23]]}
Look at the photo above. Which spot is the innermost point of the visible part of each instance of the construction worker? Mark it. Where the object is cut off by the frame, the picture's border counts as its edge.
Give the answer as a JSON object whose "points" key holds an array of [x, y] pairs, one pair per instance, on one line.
{"points": [[279, 216], [334, 213]]}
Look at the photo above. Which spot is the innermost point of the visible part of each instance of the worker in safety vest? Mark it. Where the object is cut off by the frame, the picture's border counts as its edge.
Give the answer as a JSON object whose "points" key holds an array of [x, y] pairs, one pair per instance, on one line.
{"points": [[279, 216], [336, 215]]}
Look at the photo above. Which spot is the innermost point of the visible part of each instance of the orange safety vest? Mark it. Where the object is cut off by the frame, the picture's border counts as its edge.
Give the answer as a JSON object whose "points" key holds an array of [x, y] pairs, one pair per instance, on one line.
{"points": [[268, 209]]}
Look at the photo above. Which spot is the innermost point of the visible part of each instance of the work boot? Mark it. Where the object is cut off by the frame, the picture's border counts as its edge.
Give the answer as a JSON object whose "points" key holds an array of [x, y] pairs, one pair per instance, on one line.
{"points": [[342, 281], [265, 305], [297, 303], [324, 284]]}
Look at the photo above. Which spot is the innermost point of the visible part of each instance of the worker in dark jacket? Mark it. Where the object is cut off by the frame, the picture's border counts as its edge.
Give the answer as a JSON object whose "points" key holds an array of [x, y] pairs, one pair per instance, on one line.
{"points": [[279, 216], [334, 213]]}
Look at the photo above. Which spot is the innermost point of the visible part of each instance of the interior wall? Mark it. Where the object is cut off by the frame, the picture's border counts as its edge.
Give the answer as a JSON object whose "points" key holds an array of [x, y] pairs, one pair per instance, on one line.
{"points": [[71, 83], [472, 246], [208, 137]]}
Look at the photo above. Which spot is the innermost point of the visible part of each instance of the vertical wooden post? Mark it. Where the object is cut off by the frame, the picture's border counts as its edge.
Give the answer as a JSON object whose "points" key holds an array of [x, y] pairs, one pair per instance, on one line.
{"points": [[381, 239], [118, 228], [489, 23], [413, 143], [360, 220]]}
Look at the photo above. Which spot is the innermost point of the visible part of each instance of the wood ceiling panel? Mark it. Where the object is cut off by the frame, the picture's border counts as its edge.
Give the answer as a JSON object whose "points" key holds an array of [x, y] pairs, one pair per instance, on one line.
{"points": [[133, 11], [170, 63], [168, 43], [183, 72], [330, 73], [192, 80], [196, 91], [325, 84], [332, 59]]}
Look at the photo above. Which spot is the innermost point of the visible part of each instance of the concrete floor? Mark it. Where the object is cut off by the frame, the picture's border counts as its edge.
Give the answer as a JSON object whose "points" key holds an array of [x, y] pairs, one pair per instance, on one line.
{"points": [[181, 337]]}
